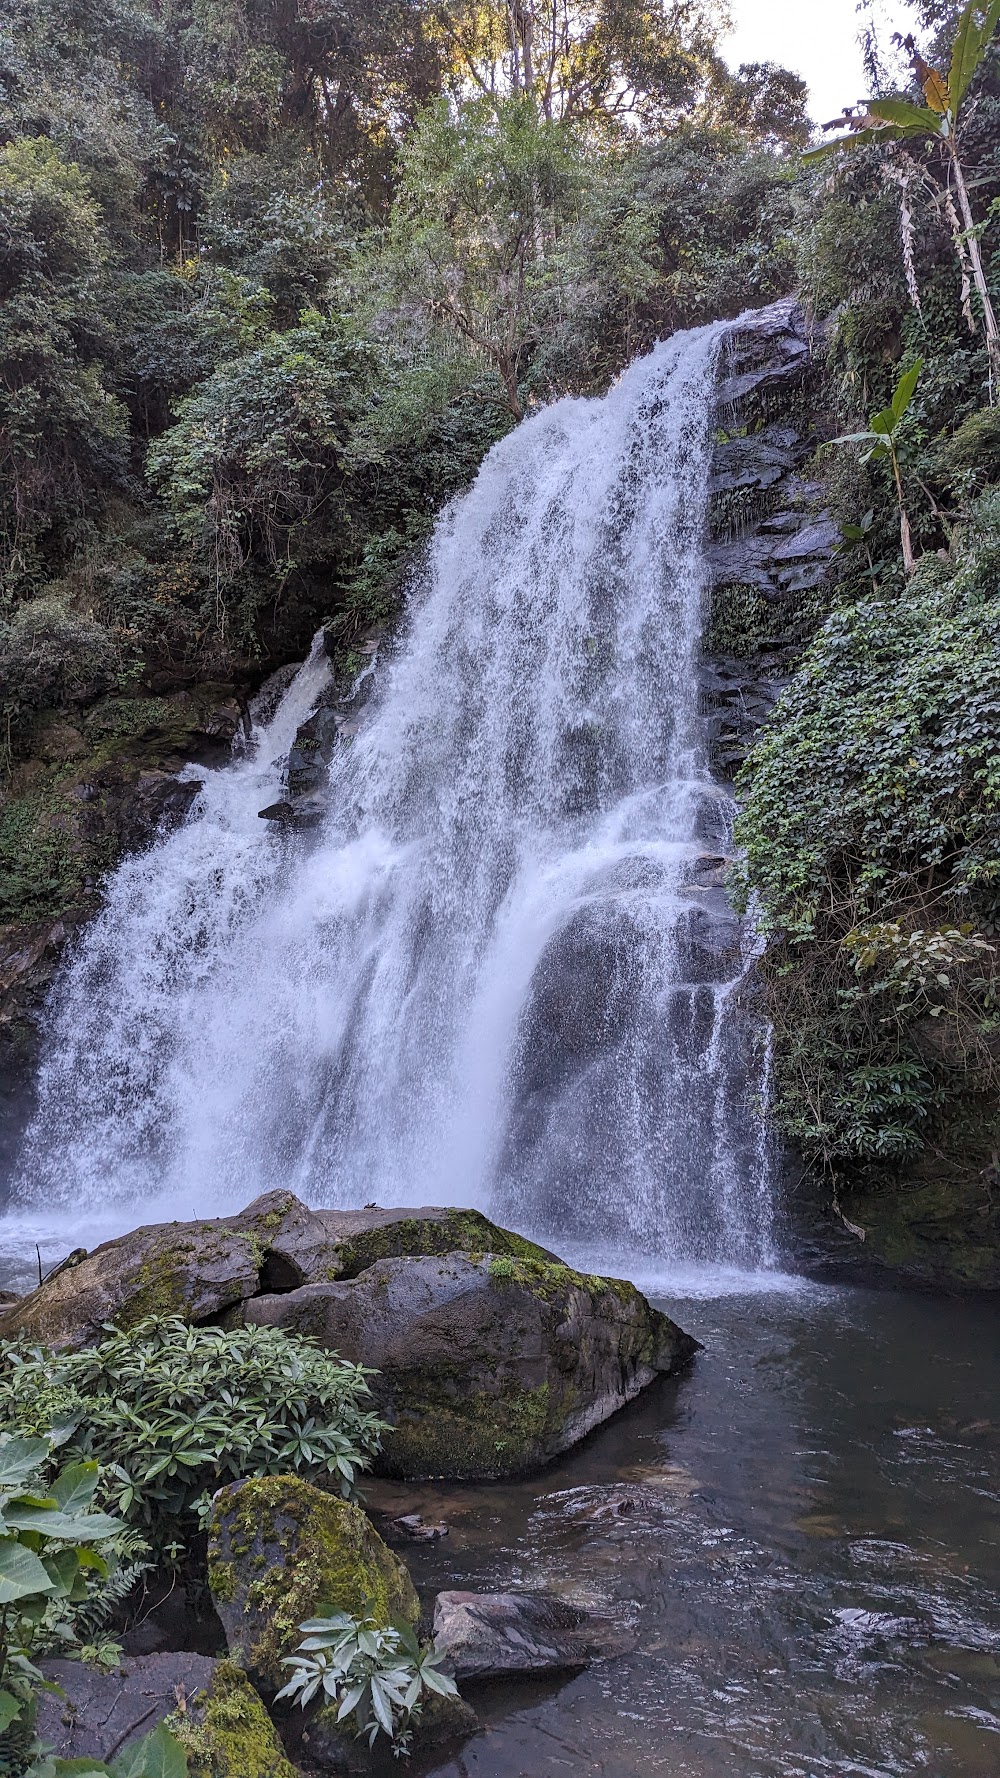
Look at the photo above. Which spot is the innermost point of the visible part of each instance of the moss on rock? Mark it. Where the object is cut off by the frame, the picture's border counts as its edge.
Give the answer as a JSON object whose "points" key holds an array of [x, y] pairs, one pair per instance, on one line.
{"points": [[426, 1236], [229, 1734], [281, 1551]]}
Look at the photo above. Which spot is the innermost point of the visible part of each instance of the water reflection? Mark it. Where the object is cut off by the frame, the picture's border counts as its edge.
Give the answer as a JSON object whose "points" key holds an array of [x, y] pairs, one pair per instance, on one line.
{"points": [[801, 1541]]}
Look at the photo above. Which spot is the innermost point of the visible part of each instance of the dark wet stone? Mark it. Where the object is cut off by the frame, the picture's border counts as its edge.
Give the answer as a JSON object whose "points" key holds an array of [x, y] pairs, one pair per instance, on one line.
{"points": [[487, 1365], [488, 1635], [100, 1713]]}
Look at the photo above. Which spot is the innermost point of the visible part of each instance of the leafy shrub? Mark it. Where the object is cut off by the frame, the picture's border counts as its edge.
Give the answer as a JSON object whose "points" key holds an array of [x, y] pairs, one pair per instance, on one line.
{"points": [[55, 1551], [50, 654], [871, 825], [377, 1675], [174, 1411]]}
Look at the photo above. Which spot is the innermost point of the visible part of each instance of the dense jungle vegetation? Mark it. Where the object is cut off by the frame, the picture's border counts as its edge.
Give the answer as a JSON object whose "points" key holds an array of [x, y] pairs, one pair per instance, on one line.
{"points": [[275, 274]]}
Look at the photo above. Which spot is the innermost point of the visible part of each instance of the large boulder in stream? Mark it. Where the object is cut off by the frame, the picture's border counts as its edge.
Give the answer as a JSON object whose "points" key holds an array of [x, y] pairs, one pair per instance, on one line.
{"points": [[200, 1269], [488, 1365]]}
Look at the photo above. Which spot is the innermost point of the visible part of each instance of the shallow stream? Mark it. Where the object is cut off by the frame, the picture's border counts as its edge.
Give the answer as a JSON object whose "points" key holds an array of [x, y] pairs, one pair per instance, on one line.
{"points": [[803, 1534]]}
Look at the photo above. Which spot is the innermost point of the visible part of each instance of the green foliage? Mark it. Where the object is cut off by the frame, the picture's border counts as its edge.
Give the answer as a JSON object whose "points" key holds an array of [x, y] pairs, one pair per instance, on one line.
{"points": [[871, 825], [54, 1550], [50, 655], [157, 1755], [62, 429], [377, 1675], [174, 1411]]}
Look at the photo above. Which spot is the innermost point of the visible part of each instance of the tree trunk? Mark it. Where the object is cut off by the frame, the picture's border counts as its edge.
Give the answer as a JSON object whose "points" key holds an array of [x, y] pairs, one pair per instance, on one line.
{"points": [[909, 560], [989, 317]]}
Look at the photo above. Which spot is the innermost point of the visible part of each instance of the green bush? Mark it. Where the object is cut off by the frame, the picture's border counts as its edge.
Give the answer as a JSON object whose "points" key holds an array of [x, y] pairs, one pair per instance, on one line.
{"points": [[871, 825], [173, 1412], [375, 1675], [50, 655]]}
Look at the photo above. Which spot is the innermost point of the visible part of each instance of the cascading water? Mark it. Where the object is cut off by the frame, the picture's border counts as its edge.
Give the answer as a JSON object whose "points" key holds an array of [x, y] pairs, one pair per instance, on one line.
{"points": [[500, 973]]}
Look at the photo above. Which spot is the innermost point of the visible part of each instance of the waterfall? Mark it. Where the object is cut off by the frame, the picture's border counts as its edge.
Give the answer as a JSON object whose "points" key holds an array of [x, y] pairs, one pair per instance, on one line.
{"points": [[502, 972]]}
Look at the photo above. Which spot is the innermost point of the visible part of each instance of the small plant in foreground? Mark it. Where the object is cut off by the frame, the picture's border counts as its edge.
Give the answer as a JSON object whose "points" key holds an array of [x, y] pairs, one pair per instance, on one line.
{"points": [[50, 1544], [173, 1412], [378, 1676], [158, 1755]]}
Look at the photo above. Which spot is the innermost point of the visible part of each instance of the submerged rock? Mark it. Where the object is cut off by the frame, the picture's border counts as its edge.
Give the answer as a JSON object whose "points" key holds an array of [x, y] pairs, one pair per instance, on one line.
{"points": [[486, 1635], [329, 1746], [280, 1551], [488, 1365]]}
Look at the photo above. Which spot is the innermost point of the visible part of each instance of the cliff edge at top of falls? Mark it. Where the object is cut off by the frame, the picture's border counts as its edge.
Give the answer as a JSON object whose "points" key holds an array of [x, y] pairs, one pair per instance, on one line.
{"points": [[491, 1356]]}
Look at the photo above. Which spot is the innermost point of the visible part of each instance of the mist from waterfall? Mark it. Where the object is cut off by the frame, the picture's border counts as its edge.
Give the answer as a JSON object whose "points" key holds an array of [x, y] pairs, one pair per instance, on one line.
{"points": [[502, 971]]}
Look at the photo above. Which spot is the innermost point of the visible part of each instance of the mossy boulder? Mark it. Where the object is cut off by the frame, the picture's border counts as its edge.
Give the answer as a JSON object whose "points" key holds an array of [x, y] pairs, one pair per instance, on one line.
{"points": [[362, 1237], [204, 1270], [488, 1365], [281, 1551], [227, 1732], [193, 1269]]}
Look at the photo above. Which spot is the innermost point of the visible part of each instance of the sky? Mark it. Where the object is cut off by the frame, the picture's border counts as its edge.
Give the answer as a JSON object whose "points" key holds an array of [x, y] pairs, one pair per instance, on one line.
{"points": [[817, 39]]}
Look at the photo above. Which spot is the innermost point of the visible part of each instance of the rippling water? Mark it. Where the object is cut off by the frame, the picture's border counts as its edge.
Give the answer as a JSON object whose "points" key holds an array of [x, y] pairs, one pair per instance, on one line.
{"points": [[803, 1535]]}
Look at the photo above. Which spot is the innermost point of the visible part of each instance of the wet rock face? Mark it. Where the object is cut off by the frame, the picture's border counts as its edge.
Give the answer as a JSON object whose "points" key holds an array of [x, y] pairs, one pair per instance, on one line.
{"points": [[99, 1713], [772, 537], [333, 724], [487, 1365], [488, 1635]]}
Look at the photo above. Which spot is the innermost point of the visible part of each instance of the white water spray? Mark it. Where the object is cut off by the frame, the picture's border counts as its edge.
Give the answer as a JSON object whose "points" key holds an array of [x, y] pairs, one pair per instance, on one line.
{"points": [[499, 974]]}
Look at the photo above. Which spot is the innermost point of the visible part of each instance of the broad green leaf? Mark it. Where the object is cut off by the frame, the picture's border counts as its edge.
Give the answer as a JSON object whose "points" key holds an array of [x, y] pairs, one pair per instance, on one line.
{"points": [[904, 390], [971, 40], [74, 1488], [857, 139], [10, 1707], [159, 1755], [21, 1572], [71, 1527], [914, 119], [18, 1457], [62, 1568]]}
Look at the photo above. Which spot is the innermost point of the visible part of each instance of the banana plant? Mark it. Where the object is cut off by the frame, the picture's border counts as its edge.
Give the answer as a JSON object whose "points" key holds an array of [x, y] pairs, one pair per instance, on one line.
{"points": [[882, 438], [940, 119]]}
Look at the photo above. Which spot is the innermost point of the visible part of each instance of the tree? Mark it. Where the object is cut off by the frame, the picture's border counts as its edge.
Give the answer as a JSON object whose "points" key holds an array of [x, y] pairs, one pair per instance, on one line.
{"points": [[485, 193], [882, 439], [939, 120], [62, 428], [595, 63]]}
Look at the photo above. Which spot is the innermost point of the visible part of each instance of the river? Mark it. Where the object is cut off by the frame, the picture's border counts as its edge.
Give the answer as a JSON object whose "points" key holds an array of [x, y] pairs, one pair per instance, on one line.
{"points": [[803, 1533]]}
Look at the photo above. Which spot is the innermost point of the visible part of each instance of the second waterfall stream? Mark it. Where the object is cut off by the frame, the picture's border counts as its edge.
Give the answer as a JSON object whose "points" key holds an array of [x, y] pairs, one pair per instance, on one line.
{"points": [[501, 972]]}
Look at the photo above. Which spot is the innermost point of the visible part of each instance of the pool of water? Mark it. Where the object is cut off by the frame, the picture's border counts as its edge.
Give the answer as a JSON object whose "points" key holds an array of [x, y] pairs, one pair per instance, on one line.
{"points": [[800, 1539]]}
